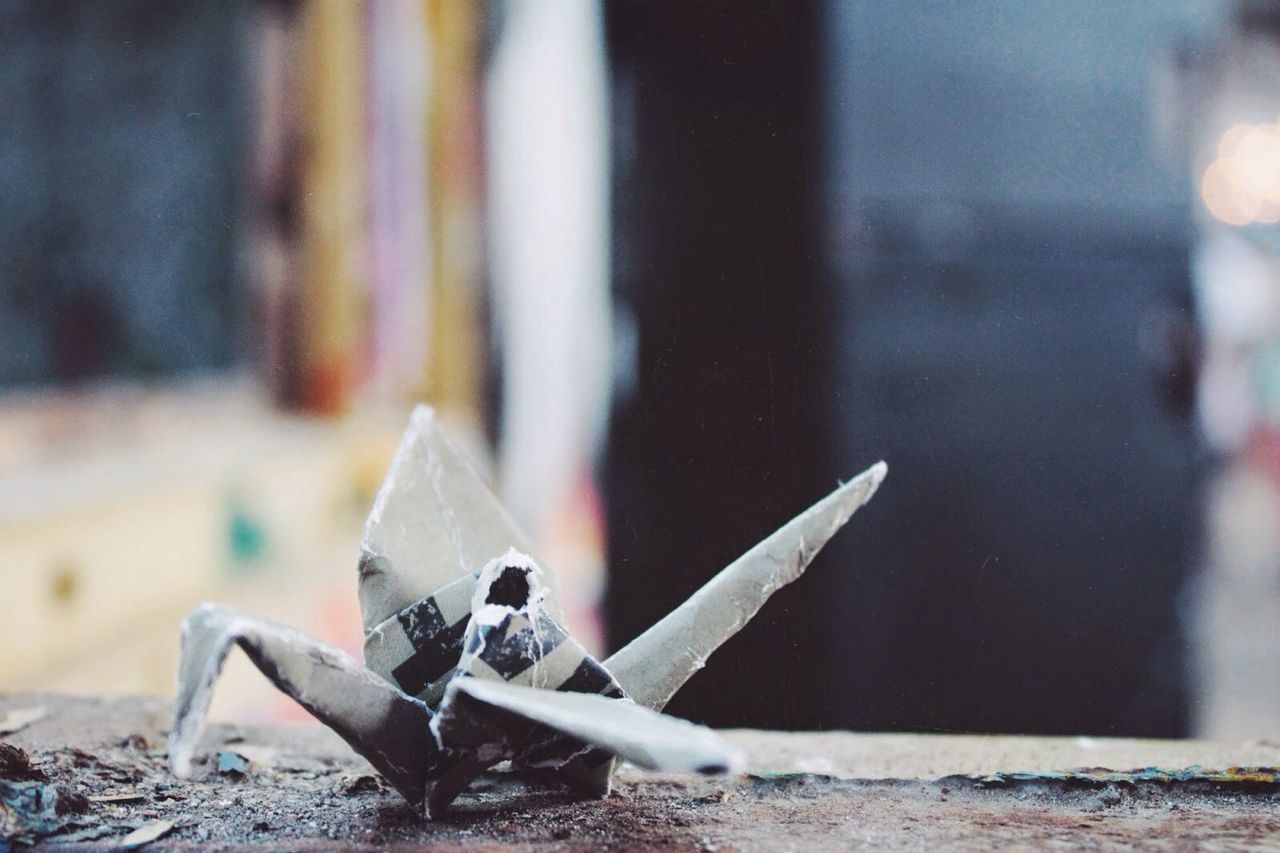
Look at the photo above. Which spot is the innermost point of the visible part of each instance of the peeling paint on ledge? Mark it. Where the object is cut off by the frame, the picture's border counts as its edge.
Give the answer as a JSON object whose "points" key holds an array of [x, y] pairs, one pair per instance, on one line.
{"points": [[1260, 779]]}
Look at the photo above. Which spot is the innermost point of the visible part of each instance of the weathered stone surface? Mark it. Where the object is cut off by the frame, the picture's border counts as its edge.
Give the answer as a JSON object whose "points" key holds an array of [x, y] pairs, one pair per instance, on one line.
{"points": [[306, 789]]}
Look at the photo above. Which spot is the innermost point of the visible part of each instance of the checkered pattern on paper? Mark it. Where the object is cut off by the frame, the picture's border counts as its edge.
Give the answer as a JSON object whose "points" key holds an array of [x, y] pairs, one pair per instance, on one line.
{"points": [[418, 648], [548, 658]]}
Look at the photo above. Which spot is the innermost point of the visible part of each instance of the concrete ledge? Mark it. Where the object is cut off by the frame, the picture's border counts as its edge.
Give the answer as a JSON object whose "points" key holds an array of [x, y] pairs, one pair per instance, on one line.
{"points": [[303, 787]]}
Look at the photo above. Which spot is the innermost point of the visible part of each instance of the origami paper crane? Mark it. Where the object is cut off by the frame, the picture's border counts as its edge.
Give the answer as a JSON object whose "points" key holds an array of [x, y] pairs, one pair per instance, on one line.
{"points": [[466, 661]]}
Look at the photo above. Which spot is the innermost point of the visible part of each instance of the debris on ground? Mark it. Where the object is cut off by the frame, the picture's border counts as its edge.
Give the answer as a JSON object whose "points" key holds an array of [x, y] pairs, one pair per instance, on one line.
{"points": [[30, 811], [121, 797], [232, 763], [365, 783], [144, 835], [16, 766]]}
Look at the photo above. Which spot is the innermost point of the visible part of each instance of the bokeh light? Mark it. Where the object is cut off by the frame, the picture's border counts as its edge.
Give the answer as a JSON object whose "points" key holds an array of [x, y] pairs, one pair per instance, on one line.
{"points": [[1242, 186]]}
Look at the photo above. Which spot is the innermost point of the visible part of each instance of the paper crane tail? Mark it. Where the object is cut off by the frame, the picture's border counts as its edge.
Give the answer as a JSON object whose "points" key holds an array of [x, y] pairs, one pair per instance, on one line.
{"points": [[652, 667]]}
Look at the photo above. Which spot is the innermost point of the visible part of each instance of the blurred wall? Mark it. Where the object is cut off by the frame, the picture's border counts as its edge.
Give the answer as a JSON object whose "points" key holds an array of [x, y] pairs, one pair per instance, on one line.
{"points": [[1030, 103], [937, 233], [1005, 243], [120, 127]]}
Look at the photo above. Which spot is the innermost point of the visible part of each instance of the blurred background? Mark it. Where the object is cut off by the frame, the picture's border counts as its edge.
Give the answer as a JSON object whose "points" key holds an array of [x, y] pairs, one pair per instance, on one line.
{"points": [[668, 271]]}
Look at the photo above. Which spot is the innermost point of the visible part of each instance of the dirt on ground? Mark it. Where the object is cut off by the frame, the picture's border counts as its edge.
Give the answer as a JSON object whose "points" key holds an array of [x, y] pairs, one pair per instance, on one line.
{"points": [[101, 766]]}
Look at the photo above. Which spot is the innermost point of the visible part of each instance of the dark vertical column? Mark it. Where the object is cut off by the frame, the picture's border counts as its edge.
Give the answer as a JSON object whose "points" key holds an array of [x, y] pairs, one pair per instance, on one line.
{"points": [[717, 436]]}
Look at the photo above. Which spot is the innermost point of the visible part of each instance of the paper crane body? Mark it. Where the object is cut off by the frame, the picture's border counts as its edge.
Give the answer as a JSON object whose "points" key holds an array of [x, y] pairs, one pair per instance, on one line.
{"points": [[466, 660]]}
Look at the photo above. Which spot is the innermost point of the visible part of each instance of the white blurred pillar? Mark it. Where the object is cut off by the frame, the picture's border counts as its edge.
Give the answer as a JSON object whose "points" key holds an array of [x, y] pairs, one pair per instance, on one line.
{"points": [[547, 151]]}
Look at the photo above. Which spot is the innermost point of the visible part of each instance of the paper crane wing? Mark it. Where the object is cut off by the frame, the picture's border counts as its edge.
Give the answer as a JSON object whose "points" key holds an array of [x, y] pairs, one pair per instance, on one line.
{"points": [[616, 726], [378, 721], [653, 666], [434, 522]]}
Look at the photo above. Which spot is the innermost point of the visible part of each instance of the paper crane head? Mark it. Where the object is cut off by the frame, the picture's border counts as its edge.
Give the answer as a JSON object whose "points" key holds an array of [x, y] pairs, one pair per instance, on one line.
{"points": [[467, 662]]}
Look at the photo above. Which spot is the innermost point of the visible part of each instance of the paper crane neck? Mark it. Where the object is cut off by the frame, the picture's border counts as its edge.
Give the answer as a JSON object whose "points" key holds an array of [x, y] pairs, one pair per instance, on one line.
{"points": [[510, 588], [507, 584]]}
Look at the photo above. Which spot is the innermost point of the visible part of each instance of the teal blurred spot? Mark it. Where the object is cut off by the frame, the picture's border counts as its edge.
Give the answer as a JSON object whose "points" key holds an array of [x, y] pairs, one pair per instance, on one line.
{"points": [[246, 537]]}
